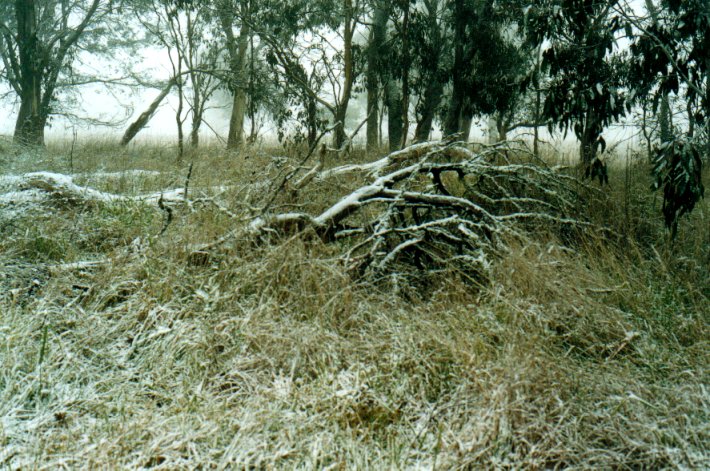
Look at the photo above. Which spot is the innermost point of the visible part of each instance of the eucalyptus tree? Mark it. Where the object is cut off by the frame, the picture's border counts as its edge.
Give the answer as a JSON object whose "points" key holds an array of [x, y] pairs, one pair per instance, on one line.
{"points": [[311, 45], [489, 62], [39, 42], [236, 18], [388, 62], [376, 63], [587, 69], [181, 29], [429, 59], [296, 105], [405, 47], [672, 55]]}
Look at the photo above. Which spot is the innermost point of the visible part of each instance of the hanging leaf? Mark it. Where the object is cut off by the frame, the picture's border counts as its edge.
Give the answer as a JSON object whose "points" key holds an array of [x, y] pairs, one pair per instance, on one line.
{"points": [[678, 170]]}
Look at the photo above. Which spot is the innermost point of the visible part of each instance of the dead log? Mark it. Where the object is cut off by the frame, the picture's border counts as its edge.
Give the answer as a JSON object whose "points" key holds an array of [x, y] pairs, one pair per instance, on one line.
{"points": [[24, 187]]}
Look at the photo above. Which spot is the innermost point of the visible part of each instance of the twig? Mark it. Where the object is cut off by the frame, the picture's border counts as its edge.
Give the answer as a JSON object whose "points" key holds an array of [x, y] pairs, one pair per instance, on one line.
{"points": [[71, 151], [169, 215], [187, 181]]}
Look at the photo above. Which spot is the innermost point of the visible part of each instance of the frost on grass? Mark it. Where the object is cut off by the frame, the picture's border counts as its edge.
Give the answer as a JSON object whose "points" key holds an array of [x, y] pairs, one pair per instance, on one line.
{"points": [[273, 356]]}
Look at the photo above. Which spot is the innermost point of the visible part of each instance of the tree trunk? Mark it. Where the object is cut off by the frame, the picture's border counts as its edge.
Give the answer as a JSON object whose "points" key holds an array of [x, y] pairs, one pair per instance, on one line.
{"points": [[145, 117], [341, 110], [252, 102], [434, 88], [452, 125], [195, 129], [538, 105], [587, 152], [372, 115], [394, 115], [707, 101], [235, 137], [665, 119], [465, 126], [492, 130], [374, 64], [691, 118], [431, 102], [312, 118], [664, 116], [179, 122], [29, 127], [237, 48], [405, 75], [502, 125], [589, 141], [644, 129]]}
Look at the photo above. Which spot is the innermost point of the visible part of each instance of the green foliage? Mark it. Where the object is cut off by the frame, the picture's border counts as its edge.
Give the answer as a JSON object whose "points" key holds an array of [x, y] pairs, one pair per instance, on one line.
{"points": [[678, 170], [494, 66], [587, 88]]}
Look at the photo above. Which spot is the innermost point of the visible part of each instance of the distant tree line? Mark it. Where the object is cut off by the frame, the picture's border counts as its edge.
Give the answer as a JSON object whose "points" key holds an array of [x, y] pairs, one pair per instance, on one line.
{"points": [[573, 65]]}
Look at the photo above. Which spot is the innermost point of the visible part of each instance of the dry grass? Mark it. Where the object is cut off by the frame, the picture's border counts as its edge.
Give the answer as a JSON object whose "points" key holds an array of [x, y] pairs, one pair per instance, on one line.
{"points": [[589, 356]]}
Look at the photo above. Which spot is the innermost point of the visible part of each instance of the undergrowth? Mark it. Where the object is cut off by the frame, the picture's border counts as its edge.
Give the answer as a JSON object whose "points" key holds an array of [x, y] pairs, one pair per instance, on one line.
{"points": [[587, 354]]}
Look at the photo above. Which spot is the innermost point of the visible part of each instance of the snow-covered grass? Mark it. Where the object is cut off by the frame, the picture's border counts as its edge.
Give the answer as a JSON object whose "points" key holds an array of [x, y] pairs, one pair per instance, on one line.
{"points": [[120, 349]]}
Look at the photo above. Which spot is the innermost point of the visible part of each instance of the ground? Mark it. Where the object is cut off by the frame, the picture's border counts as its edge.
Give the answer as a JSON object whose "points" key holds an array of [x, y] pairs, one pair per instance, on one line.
{"points": [[120, 348]]}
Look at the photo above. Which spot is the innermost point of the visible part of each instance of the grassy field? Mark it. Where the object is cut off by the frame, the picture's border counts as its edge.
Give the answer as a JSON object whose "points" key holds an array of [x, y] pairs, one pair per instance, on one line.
{"points": [[586, 355]]}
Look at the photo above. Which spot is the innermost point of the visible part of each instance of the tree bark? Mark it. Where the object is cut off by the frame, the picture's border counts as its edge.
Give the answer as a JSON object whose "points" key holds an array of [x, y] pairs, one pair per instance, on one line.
{"points": [[179, 121], [644, 129], [235, 137], [394, 114], [465, 126], [589, 142], [691, 118], [452, 124], [374, 64], [195, 128], [197, 106], [237, 49], [664, 116], [29, 127], [503, 126], [665, 119], [431, 102], [538, 104], [252, 102], [434, 87], [312, 118], [341, 108], [707, 100], [405, 75]]}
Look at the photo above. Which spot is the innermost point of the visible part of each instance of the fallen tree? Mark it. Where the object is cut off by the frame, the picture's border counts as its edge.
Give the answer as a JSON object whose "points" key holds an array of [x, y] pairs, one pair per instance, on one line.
{"points": [[38, 186], [430, 206]]}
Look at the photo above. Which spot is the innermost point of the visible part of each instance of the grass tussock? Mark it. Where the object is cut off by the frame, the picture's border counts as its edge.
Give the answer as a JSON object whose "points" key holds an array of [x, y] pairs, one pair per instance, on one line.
{"points": [[582, 354]]}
